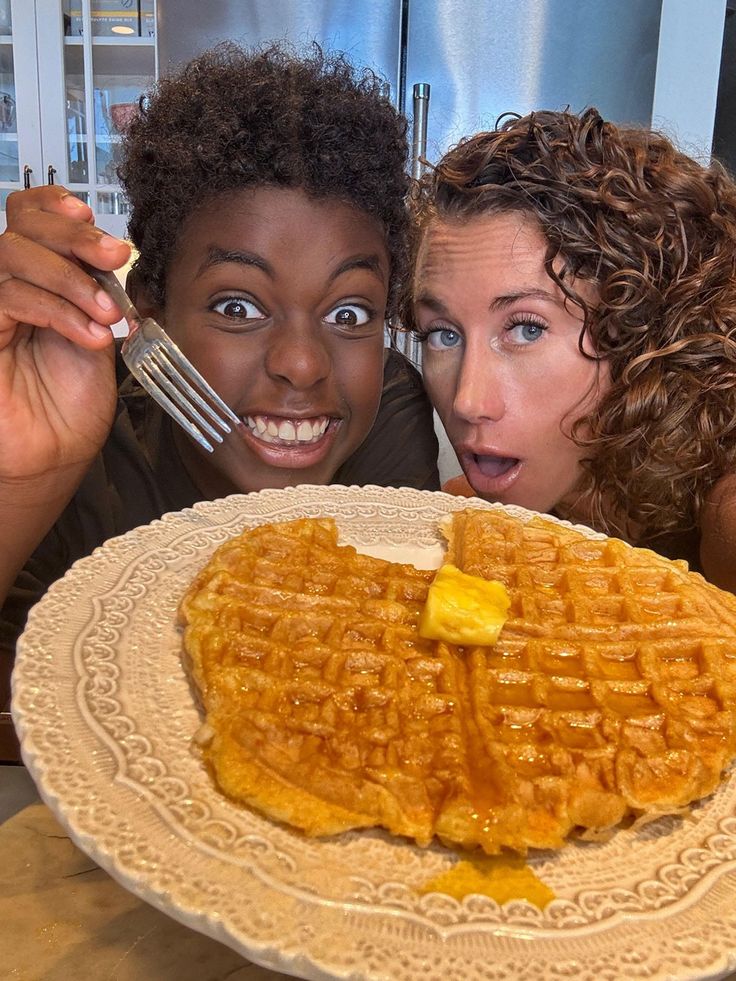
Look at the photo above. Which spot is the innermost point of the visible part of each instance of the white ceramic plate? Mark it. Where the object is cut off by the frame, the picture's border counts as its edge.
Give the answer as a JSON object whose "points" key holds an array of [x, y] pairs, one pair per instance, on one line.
{"points": [[106, 716]]}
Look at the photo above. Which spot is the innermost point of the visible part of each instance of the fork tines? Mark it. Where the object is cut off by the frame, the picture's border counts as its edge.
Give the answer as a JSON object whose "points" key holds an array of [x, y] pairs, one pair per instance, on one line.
{"points": [[179, 388]]}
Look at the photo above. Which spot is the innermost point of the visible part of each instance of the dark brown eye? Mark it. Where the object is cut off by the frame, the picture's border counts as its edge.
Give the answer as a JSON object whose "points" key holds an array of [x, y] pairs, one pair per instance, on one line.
{"points": [[348, 315], [238, 308], [235, 309]]}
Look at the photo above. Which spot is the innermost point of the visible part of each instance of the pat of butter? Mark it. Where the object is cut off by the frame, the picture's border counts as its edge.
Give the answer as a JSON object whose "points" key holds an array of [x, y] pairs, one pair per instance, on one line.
{"points": [[463, 609]]}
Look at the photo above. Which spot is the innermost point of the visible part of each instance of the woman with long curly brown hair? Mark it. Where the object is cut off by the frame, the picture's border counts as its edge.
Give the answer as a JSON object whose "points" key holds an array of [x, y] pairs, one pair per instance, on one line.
{"points": [[575, 292]]}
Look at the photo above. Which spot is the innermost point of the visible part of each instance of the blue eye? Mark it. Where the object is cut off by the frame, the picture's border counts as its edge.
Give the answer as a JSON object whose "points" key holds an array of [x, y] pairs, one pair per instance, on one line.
{"points": [[349, 315], [238, 308], [443, 339], [526, 331]]}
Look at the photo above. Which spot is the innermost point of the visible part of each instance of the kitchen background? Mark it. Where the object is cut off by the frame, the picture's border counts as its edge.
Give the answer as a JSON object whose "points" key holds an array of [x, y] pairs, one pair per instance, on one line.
{"points": [[71, 71]]}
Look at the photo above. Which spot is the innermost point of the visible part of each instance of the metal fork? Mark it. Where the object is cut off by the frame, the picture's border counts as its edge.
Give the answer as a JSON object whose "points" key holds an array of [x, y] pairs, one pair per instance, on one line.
{"points": [[168, 377]]}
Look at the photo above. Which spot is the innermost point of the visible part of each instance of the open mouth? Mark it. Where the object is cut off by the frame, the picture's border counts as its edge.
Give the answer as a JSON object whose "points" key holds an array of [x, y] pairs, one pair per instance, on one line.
{"points": [[287, 432], [494, 466]]}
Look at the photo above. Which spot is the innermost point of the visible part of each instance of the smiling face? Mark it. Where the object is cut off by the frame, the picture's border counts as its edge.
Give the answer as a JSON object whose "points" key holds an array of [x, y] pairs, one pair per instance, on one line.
{"points": [[279, 300], [501, 358]]}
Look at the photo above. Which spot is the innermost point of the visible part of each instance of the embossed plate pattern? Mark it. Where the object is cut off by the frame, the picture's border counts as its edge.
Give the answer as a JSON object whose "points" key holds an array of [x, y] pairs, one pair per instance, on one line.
{"points": [[106, 716]]}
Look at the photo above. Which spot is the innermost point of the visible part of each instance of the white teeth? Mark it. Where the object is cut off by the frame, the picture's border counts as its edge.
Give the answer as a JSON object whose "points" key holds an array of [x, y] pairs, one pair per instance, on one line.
{"points": [[290, 431]]}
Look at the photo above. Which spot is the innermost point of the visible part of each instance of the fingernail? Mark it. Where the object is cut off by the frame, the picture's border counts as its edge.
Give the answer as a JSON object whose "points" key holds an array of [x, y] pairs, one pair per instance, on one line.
{"points": [[98, 330], [108, 242], [104, 300]]}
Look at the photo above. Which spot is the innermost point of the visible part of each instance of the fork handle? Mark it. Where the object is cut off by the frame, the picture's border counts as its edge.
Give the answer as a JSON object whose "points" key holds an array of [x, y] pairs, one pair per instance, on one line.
{"points": [[109, 282]]}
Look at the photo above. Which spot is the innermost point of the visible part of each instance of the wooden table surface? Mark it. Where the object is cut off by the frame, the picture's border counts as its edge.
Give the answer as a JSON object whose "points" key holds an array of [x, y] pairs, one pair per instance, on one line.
{"points": [[63, 917]]}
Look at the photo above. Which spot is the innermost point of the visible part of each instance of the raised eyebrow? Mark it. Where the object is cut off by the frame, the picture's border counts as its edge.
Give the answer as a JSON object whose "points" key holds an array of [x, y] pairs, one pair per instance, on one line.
{"points": [[370, 262], [216, 256], [432, 303], [502, 302]]}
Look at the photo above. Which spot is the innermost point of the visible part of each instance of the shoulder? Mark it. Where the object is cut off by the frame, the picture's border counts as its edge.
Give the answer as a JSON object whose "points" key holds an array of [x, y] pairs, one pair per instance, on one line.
{"points": [[401, 449], [400, 373], [403, 395], [458, 486]]}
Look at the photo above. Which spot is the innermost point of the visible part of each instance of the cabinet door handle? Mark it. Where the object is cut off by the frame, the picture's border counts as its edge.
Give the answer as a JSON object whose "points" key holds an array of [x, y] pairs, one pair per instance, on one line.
{"points": [[51, 172], [27, 171], [419, 129]]}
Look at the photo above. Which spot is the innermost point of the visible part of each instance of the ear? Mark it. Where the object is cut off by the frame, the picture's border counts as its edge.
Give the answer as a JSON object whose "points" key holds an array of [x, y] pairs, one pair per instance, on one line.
{"points": [[137, 290]]}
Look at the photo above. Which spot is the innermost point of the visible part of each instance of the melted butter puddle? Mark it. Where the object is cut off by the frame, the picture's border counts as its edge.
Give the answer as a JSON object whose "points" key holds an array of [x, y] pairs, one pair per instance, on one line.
{"points": [[500, 877]]}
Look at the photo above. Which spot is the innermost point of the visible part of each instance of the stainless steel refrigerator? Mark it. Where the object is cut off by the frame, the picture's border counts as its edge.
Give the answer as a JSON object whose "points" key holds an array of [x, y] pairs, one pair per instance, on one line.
{"points": [[453, 66]]}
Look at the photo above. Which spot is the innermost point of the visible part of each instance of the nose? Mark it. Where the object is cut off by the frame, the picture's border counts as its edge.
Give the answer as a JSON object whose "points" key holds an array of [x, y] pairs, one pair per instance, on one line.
{"points": [[297, 354], [479, 393]]}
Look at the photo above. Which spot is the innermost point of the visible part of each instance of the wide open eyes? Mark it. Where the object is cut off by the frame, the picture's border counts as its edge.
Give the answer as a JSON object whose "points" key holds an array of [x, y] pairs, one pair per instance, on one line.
{"points": [[525, 329], [441, 338], [349, 315], [238, 308], [522, 330], [354, 320], [346, 317]]}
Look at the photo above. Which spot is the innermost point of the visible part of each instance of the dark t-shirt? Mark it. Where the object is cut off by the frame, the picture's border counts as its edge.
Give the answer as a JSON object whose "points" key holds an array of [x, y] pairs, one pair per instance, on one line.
{"points": [[139, 476]]}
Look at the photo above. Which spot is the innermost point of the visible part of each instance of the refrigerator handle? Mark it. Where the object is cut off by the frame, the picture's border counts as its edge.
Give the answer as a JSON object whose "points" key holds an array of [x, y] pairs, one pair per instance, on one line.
{"points": [[408, 345], [419, 129]]}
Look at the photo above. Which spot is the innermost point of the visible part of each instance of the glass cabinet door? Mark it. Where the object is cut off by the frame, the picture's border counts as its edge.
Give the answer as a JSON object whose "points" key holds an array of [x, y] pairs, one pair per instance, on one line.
{"points": [[106, 59], [20, 138], [9, 160]]}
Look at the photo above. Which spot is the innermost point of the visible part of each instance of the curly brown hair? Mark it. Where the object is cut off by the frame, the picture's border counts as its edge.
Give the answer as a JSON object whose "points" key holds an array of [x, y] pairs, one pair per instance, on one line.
{"points": [[655, 232], [234, 118]]}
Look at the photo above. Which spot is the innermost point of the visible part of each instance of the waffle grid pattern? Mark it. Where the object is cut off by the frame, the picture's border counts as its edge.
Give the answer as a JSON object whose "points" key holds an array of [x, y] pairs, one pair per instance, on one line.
{"points": [[317, 685], [611, 687]]}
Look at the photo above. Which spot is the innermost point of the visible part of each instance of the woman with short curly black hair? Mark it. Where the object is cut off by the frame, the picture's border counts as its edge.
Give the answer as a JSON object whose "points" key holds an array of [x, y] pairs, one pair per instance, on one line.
{"points": [[575, 290], [267, 196]]}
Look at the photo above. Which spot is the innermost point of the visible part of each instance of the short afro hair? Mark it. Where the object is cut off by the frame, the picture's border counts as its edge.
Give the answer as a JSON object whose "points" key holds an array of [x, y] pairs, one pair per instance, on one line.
{"points": [[234, 118]]}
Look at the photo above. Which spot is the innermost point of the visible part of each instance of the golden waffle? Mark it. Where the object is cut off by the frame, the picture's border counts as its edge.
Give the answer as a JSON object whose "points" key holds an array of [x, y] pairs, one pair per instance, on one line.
{"points": [[323, 701], [612, 685], [610, 689]]}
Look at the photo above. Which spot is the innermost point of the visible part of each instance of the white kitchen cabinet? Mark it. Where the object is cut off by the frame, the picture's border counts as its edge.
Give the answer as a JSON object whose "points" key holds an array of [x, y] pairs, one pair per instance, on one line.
{"points": [[71, 72]]}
